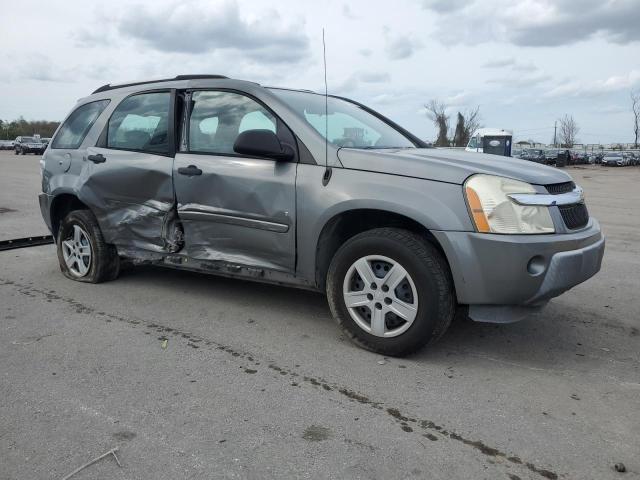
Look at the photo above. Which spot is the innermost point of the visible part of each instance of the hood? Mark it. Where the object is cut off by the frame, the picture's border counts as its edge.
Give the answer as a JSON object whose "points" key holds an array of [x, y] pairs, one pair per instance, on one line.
{"points": [[443, 165]]}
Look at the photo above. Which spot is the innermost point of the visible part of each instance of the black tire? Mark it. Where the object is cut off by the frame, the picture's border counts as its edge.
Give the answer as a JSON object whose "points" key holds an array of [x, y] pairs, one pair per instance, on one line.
{"points": [[17, 151], [430, 273], [105, 263]]}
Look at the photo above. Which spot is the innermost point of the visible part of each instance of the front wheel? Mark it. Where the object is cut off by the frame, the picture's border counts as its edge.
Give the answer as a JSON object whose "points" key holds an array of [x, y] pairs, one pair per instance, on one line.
{"points": [[83, 254], [391, 291]]}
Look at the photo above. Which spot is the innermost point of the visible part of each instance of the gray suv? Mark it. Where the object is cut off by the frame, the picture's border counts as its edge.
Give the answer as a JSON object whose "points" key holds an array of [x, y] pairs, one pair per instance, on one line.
{"points": [[24, 145], [206, 173]]}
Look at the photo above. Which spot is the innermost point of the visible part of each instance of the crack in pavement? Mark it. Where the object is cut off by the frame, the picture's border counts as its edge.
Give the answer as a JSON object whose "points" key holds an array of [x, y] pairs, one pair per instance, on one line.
{"points": [[408, 424]]}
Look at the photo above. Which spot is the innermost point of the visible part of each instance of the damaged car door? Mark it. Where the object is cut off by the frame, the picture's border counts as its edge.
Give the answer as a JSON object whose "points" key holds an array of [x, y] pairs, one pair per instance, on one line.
{"points": [[128, 175], [235, 208]]}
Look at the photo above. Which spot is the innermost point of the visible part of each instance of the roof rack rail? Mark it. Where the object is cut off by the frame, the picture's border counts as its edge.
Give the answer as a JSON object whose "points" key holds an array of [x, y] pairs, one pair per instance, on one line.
{"points": [[108, 86]]}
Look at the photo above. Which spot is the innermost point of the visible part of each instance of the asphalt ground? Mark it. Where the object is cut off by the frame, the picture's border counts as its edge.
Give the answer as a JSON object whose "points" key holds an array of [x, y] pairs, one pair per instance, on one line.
{"points": [[200, 377]]}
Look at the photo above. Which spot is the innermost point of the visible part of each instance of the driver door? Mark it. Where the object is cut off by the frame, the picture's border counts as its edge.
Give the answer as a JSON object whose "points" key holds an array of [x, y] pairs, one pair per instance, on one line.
{"points": [[235, 209]]}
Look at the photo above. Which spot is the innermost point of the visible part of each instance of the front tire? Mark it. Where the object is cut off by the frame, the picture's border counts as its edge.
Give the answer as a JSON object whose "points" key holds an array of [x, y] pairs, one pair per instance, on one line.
{"points": [[83, 254], [391, 291]]}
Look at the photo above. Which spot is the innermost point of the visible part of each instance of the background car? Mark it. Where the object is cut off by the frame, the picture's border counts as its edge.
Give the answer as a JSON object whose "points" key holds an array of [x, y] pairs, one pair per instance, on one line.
{"points": [[6, 144], [630, 158], [580, 158], [534, 155], [551, 156], [636, 158], [614, 159], [24, 145]]}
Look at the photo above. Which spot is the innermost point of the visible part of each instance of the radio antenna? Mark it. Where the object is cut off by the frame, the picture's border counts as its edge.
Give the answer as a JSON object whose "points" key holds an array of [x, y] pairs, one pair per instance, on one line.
{"points": [[327, 171]]}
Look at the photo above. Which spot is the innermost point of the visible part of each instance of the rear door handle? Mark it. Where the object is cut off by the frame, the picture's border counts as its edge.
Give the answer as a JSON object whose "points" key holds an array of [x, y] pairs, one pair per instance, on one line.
{"points": [[99, 158], [189, 171]]}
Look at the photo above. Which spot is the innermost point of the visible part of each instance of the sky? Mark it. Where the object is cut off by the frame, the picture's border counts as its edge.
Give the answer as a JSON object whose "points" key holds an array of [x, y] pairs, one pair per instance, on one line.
{"points": [[525, 63]]}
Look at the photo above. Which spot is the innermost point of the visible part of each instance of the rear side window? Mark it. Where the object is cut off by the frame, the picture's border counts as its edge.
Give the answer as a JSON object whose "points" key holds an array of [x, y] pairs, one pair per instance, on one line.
{"points": [[76, 127], [141, 123]]}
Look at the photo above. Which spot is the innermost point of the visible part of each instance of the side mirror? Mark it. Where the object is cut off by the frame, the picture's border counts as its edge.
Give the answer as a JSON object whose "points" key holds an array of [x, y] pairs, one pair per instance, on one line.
{"points": [[262, 143]]}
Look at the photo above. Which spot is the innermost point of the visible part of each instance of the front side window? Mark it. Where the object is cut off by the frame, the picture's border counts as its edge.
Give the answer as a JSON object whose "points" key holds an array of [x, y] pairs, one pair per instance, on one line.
{"points": [[347, 124], [141, 123], [217, 118], [76, 127]]}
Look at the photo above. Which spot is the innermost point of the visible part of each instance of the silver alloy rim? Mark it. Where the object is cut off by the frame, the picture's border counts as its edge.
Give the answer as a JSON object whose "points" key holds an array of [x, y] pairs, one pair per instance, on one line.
{"points": [[76, 251], [380, 296]]}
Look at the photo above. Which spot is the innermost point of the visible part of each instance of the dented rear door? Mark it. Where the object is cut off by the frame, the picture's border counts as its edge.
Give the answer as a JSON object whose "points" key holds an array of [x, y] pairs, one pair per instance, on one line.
{"points": [[127, 178], [234, 209]]}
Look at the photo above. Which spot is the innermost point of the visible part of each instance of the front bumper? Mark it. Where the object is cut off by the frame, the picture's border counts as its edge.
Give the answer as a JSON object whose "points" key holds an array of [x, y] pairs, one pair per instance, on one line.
{"points": [[501, 277]]}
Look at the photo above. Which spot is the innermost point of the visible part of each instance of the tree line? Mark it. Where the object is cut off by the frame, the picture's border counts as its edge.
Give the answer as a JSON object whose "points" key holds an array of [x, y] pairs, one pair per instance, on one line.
{"points": [[466, 123], [565, 132], [9, 130]]}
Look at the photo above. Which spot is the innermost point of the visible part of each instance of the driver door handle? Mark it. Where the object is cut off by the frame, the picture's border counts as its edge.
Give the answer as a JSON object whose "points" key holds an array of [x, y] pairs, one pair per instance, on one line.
{"points": [[99, 158], [189, 171]]}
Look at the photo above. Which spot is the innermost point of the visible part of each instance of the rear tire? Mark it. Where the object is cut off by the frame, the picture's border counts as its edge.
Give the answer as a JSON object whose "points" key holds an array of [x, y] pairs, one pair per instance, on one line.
{"points": [[83, 254], [422, 293]]}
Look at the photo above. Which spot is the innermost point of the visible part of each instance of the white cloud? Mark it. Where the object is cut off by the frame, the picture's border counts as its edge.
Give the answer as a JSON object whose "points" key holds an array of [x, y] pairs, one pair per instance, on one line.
{"points": [[515, 81], [612, 84], [458, 99], [500, 63], [348, 13], [511, 63], [446, 6], [358, 78], [402, 46], [537, 23], [214, 27]]}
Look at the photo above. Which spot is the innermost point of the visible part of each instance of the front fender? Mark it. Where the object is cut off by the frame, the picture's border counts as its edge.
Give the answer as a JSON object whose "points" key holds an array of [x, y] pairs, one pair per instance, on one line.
{"points": [[434, 205]]}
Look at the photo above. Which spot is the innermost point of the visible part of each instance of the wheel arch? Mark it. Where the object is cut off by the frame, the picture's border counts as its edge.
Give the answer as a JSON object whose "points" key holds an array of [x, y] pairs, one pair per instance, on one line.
{"points": [[348, 223], [61, 205]]}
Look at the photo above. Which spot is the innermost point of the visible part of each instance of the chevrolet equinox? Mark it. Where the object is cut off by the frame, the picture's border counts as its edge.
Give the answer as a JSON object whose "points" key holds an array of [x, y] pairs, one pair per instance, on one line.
{"points": [[211, 174]]}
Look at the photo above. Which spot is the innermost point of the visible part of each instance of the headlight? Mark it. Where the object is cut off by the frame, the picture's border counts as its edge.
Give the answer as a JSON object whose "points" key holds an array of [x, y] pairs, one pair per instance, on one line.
{"points": [[493, 211]]}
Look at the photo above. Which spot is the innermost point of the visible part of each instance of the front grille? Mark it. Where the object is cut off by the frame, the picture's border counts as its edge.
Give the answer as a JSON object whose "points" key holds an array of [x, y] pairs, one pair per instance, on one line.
{"points": [[574, 216], [558, 188]]}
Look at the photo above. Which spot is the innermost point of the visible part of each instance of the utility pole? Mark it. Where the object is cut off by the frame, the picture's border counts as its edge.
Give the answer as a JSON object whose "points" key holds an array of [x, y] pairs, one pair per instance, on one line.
{"points": [[555, 126]]}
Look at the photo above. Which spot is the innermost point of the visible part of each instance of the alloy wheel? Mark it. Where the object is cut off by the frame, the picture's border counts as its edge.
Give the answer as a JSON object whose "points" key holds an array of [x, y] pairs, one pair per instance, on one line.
{"points": [[380, 295], [76, 251]]}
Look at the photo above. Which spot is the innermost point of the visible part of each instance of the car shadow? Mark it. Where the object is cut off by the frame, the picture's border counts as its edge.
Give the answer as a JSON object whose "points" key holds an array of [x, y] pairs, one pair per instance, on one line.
{"points": [[555, 338]]}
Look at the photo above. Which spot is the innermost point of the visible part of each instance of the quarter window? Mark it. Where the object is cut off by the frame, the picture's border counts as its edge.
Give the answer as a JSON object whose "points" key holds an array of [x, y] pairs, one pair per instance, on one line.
{"points": [[78, 124], [141, 123], [217, 118]]}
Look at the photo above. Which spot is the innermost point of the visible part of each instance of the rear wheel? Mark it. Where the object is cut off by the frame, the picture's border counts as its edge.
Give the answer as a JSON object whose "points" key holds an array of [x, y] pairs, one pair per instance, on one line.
{"points": [[83, 254], [391, 291]]}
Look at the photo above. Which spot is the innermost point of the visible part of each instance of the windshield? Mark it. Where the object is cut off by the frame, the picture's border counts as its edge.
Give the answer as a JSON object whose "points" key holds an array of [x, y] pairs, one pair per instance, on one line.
{"points": [[28, 140], [348, 125]]}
